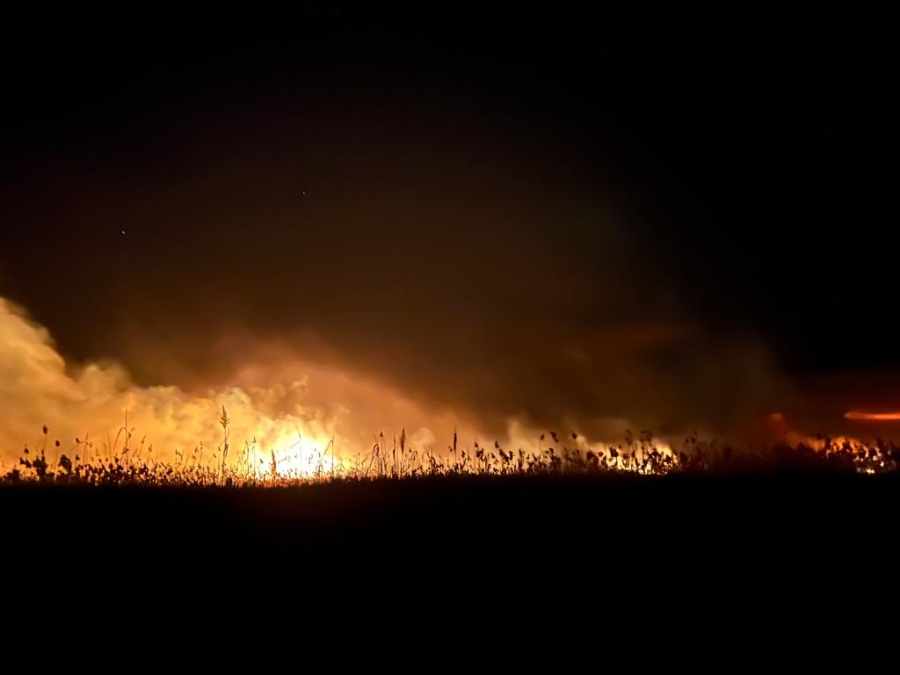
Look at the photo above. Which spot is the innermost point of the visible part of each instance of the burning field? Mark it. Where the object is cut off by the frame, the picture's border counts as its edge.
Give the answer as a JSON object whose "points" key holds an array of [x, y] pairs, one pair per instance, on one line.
{"points": [[93, 425]]}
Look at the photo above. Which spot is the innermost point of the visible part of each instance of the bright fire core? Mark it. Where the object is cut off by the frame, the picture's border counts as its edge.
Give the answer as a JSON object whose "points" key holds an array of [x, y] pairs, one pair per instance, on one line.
{"points": [[295, 459]]}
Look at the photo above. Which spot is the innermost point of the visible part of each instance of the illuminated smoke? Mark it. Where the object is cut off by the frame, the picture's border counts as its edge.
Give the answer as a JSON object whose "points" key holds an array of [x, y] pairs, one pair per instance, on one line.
{"points": [[285, 416], [310, 415], [279, 411]]}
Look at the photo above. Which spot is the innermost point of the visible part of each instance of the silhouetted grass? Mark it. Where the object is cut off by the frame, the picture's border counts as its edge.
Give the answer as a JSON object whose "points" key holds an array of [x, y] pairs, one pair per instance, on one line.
{"points": [[643, 456]]}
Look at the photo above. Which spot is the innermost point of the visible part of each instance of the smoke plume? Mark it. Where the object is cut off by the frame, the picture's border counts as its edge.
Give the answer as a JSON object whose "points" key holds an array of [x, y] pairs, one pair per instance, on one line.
{"points": [[351, 267]]}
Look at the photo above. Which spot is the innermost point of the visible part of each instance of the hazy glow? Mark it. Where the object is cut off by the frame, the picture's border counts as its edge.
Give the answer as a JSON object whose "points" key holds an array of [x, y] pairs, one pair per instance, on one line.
{"points": [[286, 417], [304, 416]]}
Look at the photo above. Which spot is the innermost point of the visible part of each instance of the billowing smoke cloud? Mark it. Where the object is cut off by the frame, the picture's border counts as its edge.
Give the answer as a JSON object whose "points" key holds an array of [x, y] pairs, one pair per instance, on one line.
{"points": [[296, 409], [418, 265], [277, 402]]}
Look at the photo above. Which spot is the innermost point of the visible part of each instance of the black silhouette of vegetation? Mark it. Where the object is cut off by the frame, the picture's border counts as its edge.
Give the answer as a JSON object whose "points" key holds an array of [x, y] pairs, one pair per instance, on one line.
{"points": [[131, 464]]}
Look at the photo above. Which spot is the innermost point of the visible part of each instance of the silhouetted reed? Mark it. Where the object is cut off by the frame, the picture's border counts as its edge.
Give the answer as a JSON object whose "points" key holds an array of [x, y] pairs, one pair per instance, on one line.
{"points": [[130, 465]]}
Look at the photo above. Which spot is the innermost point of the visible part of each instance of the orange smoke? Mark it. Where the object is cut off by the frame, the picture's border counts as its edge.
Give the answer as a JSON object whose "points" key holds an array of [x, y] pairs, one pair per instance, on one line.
{"points": [[274, 412], [286, 412]]}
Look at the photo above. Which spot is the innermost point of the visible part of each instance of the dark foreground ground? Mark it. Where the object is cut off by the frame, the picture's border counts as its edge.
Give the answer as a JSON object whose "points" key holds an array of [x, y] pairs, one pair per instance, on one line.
{"points": [[786, 572]]}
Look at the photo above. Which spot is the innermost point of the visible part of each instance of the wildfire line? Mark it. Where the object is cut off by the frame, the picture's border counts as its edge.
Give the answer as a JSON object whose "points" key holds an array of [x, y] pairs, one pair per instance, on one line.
{"points": [[873, 417]]}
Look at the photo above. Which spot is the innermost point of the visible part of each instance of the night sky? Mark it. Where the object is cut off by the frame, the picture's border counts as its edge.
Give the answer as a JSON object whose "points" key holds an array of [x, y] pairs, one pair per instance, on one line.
{"points": [[543, 214]]}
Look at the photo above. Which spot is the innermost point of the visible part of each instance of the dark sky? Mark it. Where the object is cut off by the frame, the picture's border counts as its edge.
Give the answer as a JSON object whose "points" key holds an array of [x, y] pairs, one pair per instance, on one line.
{"points": [[470, 204]]}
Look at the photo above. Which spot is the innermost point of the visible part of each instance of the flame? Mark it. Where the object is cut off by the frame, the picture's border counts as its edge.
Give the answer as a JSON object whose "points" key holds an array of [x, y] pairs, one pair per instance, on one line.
{"points": [[842, 443], [293, 457], [283, 415], [873, 417], [280, 417]]}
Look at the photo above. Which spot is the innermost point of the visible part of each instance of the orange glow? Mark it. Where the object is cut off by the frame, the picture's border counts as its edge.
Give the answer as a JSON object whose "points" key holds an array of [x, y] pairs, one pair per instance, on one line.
{"points": [[873, 417], [282, 417]]}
